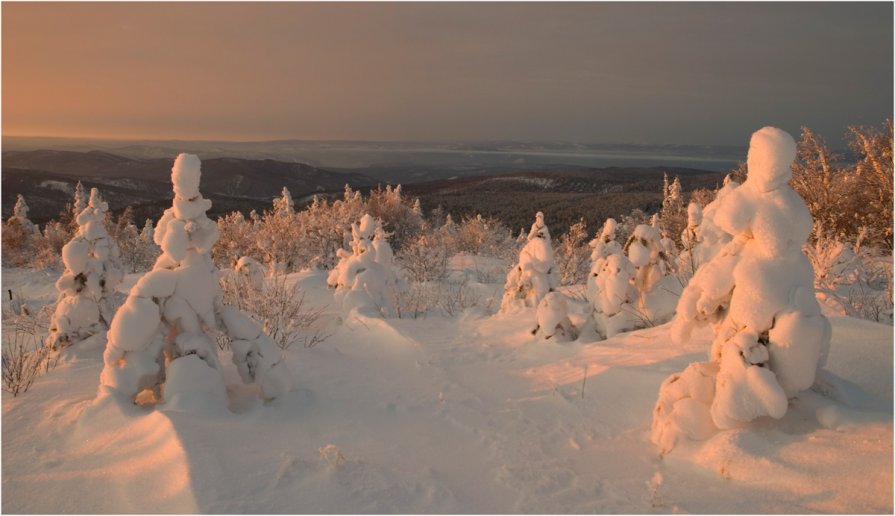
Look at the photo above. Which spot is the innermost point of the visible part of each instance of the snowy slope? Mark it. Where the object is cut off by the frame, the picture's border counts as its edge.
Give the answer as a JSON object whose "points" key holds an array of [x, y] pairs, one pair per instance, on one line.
{"points": [[464, 415]]}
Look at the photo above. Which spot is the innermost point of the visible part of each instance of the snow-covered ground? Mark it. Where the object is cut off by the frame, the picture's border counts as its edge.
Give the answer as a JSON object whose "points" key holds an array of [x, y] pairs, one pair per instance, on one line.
{"points": [[471, 414]]}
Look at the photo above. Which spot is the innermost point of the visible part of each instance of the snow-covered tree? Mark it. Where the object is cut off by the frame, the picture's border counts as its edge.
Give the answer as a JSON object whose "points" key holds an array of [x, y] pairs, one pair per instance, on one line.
{"points": [[690, 238], [361, 280], [673, 215], [93, 271], [657, 289], [535, 274], [20, 216], [81, 198], [614, 297], [553, 319], [161, 343], [758, 292], [284, 206], [425, 258], [601, 248]]}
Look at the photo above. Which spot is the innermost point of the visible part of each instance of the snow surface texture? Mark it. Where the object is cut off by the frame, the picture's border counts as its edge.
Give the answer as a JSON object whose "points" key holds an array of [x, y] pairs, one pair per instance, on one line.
{"points": [[162, 341], [536, 274], [758, 292], [365, 279], [464, 415], [93, 270]]}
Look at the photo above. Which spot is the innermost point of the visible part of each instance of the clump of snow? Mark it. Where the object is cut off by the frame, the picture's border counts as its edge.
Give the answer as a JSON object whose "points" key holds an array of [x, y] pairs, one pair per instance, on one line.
{"points": [[757, 291], [535, 274], [365, 279], [93, 271], [162, 342]]}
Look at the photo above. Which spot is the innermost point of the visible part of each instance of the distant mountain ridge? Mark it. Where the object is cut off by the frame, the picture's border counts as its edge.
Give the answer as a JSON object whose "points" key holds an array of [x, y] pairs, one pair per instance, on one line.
{"points": [[44, 177]]}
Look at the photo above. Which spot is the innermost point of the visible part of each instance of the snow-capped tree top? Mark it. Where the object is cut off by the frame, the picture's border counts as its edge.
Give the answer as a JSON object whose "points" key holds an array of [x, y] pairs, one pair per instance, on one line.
{"points": [[609, 228], [96, 201], [185, 176], [539, 228], [771, 154], [80, 199], [362, 234], [184, 228], [654, 221], [694, 214]]}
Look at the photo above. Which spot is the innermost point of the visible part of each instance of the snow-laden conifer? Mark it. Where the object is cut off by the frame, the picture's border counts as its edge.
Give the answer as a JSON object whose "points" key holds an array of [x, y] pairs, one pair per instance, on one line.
{"points": [[758, 292], [93, 271], [536, 272], [161, 344]]}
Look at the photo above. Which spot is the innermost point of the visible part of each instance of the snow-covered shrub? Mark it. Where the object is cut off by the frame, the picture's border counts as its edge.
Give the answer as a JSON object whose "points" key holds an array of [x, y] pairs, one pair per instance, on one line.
{"points": [[93, 270], [657, 289], [845, 199], [673, 214], [401, 217], [48, 254], [278, 306], [480, 236], [364, 279], [553, 319], [571, 254], [425, 257], [20, 237], [850, 276], [238, 238], [770, 335], [24, 356], [536, 272], [279, 237], [161, 343]]}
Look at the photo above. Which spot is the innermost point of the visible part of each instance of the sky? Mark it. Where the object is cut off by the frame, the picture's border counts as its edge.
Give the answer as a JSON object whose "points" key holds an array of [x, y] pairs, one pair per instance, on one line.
{"points": [[684, 73]]}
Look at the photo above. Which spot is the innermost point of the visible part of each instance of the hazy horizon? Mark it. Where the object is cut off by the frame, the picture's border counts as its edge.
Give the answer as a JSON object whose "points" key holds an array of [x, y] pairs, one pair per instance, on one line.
{"points": [[629, 73]]}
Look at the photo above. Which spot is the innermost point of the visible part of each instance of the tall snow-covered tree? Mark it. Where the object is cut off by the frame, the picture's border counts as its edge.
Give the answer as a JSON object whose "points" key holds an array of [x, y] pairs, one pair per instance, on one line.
{"points": [[93, 271], [161, 345], [758, 292]]}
